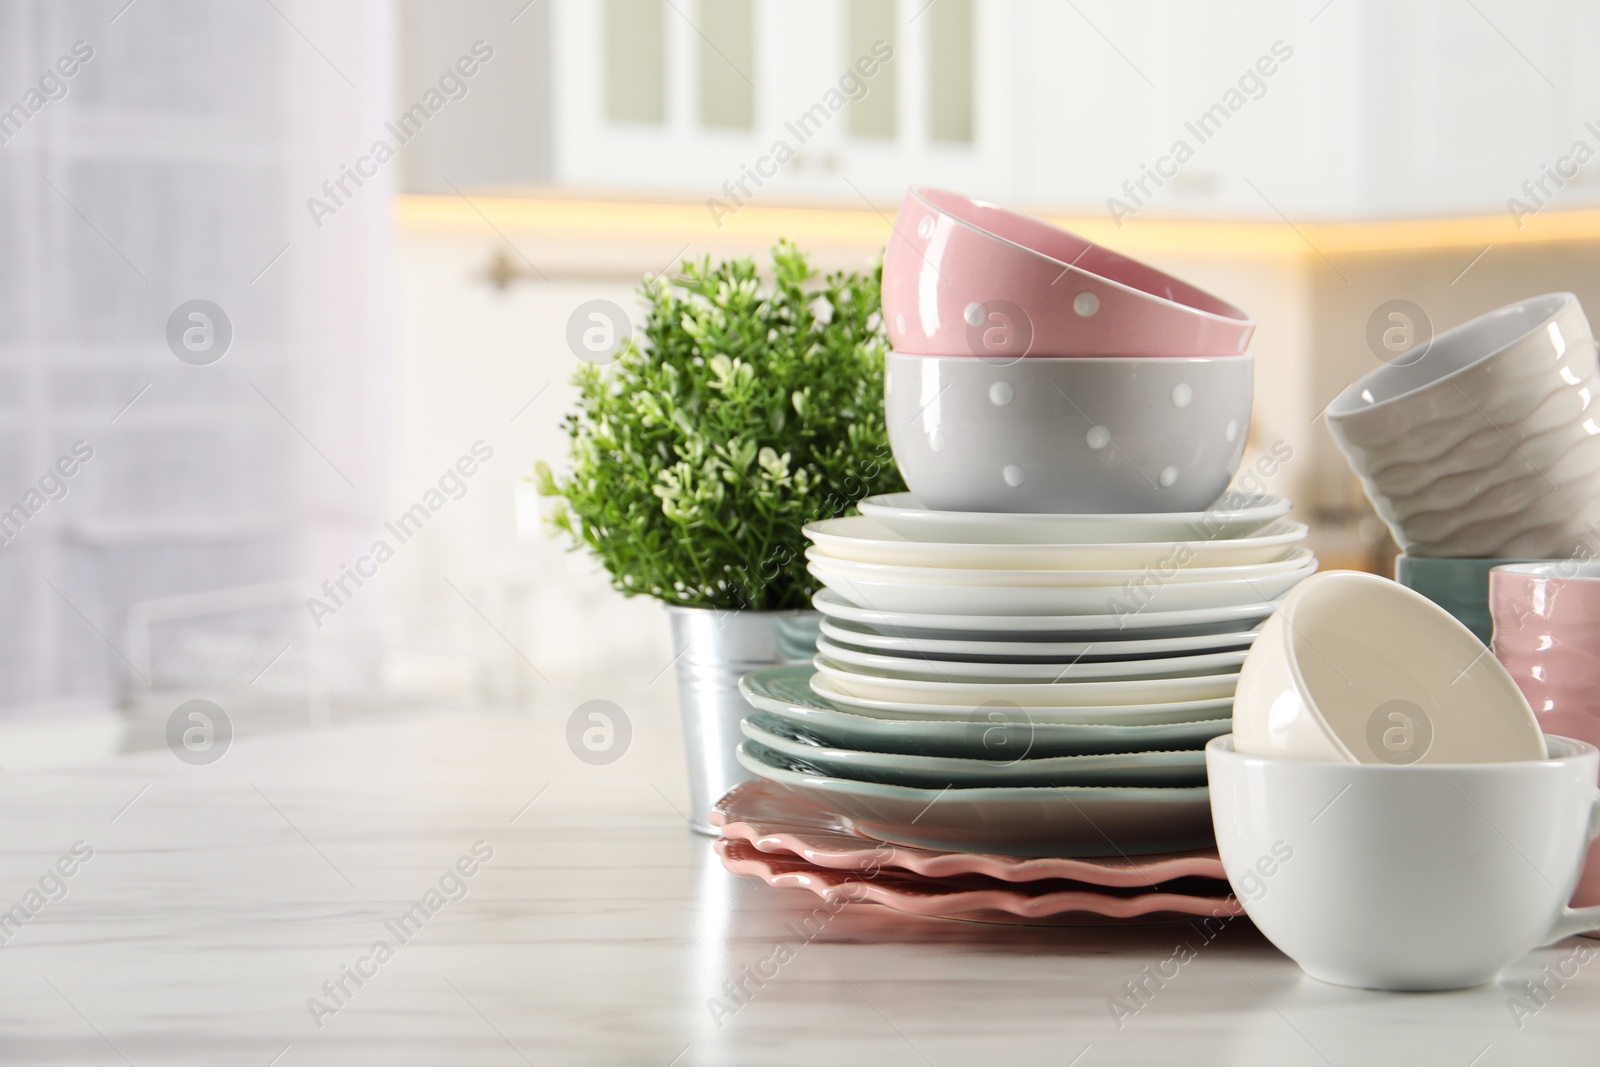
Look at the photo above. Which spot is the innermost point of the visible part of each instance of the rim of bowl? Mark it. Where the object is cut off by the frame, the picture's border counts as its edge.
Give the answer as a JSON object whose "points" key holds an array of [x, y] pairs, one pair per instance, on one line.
{"points": [[1222, 744], [1236, 316], [1245, 357], [1587, 570], [1336, 413], [1291, 604]]}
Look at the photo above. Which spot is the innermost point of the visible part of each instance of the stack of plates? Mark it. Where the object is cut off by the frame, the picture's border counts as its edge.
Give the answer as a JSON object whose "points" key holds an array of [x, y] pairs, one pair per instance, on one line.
{"points": [[1025, 684], [1128, 619], [789, 838]]}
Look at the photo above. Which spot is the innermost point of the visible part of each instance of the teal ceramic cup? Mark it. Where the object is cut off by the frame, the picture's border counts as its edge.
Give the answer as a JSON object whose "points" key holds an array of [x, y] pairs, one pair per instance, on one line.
{"points": [[1459, 586]]}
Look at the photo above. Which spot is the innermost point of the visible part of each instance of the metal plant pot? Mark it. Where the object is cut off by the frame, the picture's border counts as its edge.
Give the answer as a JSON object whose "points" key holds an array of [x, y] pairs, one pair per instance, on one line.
{"points": [[714, 648]]}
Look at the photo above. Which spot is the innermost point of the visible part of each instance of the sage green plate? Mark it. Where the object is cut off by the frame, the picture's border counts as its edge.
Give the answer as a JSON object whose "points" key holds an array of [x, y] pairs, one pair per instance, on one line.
{"points": [[1002, 768], [977, 733], [1013, 820]]}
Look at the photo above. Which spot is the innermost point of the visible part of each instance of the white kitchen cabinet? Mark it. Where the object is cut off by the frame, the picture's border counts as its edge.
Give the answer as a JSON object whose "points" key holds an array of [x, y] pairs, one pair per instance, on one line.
{"points": [[1371, 108]]}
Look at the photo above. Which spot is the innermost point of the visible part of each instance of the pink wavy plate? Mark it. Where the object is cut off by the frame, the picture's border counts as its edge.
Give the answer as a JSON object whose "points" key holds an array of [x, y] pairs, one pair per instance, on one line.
{"points": [[971, 896], [776, 818]]}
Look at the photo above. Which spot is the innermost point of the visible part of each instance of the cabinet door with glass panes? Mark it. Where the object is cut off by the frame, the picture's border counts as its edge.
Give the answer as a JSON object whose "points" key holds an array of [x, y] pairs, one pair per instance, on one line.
{"points": [[736, 101]]}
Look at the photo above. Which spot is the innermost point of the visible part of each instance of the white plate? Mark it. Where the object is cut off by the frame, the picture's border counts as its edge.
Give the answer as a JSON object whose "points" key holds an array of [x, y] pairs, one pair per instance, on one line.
{"points": [[996, 649], [1154, 713], [1067, 694], [1110, 600], [1113, 627], [1062, 671], [905, 515], [786, 692], [1017, 820], [1153, 768], [1293, 559], [856, 537]]}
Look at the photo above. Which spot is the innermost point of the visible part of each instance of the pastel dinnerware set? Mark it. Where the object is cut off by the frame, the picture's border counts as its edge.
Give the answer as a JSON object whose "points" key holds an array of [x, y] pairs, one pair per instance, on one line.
{"points": [[1021, 660], [1397, 807]]}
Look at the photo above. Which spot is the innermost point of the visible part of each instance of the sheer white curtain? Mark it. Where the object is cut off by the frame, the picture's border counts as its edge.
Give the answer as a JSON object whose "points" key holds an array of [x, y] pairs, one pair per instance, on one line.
{"points": [[173, 164]]}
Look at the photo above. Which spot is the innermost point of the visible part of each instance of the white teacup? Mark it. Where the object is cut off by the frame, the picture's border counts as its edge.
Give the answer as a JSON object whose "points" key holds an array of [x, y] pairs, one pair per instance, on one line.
{"points": [[1407, 877]]}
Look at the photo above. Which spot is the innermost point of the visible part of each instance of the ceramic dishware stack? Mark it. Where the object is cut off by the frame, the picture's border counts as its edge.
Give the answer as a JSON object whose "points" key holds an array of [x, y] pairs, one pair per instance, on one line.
{"points": [[1021, 660], [1035, 371], [1478, 448], [1015, 686], [1387, 809]]}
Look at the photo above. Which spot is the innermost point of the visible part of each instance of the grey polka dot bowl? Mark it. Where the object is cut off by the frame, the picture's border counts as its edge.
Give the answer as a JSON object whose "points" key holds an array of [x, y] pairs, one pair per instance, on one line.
{"points": [[1076, 435]]}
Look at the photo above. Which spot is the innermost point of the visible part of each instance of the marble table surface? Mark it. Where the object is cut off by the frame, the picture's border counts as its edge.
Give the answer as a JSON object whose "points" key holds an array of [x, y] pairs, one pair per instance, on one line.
{"points": [[211, 914]]}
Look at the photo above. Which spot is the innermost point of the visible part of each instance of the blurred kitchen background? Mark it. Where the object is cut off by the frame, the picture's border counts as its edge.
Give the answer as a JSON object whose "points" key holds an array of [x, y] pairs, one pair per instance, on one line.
{"points": [[388, 310]]}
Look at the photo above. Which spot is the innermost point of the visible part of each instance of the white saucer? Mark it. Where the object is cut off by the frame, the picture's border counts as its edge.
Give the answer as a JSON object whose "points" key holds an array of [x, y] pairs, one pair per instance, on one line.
{"points": [[865, 540], [1111, 627], [997, 649], [1113, 600], [1168, 712], [1293, 559], [1061, 671], [905, 515], [1063, 694]]}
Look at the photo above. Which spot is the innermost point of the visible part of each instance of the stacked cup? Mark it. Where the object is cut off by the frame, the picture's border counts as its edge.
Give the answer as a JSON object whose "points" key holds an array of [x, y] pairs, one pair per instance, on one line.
{"points": [[1389, 768], [1481, 447], [1547, 633], [1481, 451], [1387, 807]]}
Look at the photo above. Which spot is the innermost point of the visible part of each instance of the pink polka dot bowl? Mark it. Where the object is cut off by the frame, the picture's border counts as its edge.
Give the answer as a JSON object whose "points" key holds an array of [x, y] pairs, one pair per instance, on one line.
{"points": [[963, 277]]}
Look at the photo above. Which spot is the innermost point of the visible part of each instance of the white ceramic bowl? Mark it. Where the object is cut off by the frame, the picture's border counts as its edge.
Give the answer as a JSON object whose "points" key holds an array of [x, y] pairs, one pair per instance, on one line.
{"points": [[1356, 668], [1076, 435], [1488, 443], [1406, 877]]}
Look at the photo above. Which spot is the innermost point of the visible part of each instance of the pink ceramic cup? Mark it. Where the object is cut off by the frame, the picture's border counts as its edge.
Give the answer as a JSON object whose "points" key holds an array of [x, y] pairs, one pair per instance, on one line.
{"points": [[1547, 634], [963, 277]]}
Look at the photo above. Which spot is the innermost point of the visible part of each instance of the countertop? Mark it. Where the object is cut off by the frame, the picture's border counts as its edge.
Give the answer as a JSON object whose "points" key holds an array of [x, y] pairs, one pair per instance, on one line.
{"points": [[594, 928]]}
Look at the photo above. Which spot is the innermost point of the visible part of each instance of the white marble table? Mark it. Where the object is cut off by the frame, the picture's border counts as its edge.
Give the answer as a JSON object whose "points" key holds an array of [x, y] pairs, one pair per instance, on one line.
{"points": [[219, 899]]}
